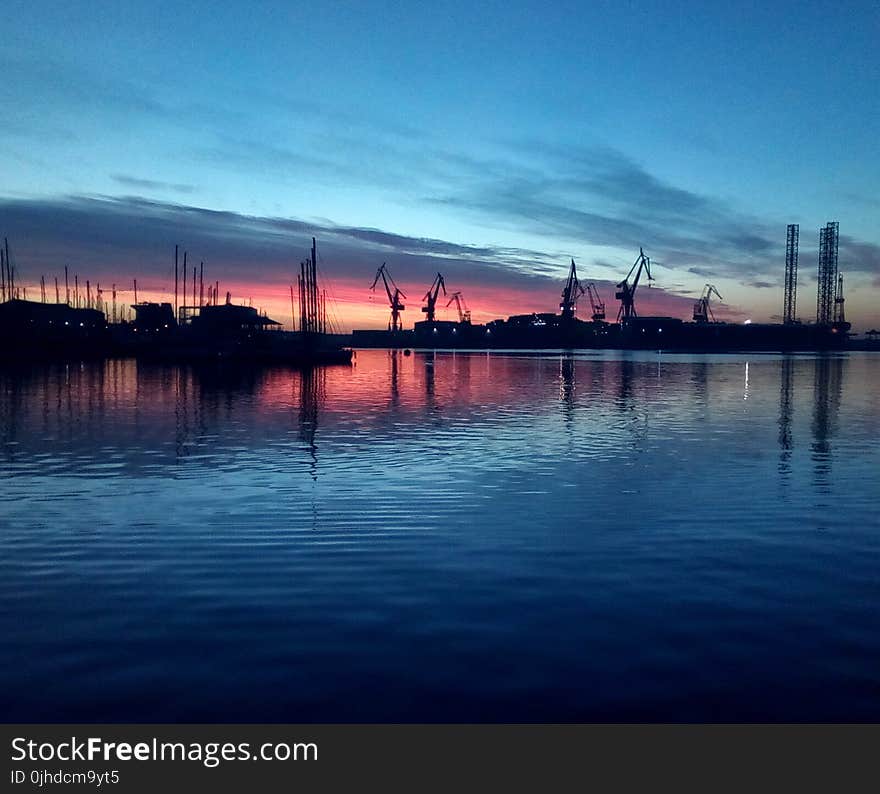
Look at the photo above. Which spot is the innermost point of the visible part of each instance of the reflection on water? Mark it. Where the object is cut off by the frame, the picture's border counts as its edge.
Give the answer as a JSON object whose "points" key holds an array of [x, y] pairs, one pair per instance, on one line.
{"points": [[827, 388], [785, 416], [394, 358], [312, 391], [442, 536]]}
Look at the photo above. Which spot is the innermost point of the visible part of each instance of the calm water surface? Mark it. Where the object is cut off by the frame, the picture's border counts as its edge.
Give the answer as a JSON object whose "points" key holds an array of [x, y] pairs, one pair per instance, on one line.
{"points": [[443, 537]]}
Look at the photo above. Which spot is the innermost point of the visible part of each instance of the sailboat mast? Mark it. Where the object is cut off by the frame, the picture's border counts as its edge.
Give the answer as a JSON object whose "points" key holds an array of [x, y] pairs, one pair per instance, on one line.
{"points": [[175, 282], [10, 270], [316, 323]]}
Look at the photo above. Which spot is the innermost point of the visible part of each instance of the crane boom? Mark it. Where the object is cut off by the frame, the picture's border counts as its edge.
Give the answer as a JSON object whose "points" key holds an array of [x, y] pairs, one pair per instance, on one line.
{"points": [[702, 310], [464, 314], [626, 292], [596, 303], [431, 297], [394, 297], [570, 293]]}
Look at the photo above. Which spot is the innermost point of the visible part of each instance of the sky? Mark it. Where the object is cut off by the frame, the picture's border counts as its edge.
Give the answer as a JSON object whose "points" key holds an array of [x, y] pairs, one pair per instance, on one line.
{"points": [[492, 142]]}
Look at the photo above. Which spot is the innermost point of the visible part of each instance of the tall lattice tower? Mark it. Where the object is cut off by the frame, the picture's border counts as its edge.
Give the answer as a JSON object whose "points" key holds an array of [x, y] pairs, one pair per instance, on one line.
{"points": [[791, 263], [839, 311], [828, 240]]}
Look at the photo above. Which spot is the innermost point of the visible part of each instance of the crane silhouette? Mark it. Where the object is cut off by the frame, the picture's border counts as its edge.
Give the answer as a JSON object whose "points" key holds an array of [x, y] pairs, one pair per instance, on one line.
{"points": [[431, 297], [570, 293], [597, 304], [702, 311], [395, 324], [464, 314], [626, 292]]}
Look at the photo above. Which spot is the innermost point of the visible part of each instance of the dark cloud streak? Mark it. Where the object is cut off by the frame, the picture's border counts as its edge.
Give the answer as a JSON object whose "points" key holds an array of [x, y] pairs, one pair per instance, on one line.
{"points": [[598, 196], [115, 239], [151, 184]]}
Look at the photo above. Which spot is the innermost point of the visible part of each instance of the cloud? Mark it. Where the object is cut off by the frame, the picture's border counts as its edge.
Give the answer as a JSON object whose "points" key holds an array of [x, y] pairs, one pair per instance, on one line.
{"points": [[860, 198], [568, 196], [68, 85], [598, 196], [151, 184], [856, 256], [112, 240], [98, 229], [570, 193], [578, 195]]}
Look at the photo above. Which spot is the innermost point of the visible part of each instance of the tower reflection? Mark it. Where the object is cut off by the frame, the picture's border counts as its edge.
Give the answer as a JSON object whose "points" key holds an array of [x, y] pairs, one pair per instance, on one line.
{"points": [[785, 416], [827, 388]]}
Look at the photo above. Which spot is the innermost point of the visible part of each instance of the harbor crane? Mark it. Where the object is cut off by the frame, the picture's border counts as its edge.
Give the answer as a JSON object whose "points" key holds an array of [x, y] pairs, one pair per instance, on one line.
{"points": [[464, 313], [394, 297], [702, 311], [597, 304], [571, 292], [431, 297], [626, 291]]}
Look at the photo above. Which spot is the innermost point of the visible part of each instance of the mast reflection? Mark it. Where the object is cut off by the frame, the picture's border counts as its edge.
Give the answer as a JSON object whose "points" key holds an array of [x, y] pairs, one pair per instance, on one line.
{"points": [[312, 391]]}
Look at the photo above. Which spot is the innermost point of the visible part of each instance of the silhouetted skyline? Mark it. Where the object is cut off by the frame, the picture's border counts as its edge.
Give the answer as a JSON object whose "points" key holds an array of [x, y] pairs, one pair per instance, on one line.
{"points": [[490, 144]]}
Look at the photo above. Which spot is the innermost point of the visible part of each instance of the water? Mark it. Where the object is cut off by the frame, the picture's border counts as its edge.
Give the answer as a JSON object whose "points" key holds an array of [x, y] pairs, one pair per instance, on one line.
{"points": [[484, 537]]}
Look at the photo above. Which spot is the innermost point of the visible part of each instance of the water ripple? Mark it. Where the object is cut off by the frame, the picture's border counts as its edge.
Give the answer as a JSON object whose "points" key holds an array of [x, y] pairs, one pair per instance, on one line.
{"points": [[443, 537]]}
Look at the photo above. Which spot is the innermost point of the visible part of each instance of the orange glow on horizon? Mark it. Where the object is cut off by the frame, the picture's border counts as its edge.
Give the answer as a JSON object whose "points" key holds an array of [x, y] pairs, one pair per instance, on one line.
{"points": [[351, 305]]}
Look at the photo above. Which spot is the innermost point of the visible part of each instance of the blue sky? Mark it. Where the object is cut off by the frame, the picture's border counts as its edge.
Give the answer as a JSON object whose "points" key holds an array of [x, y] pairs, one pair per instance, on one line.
{"points": [[520, 133]]}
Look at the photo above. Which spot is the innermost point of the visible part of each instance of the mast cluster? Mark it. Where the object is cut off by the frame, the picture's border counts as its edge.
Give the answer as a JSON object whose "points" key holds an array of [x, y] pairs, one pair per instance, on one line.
{"points": [[312, 303]]}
